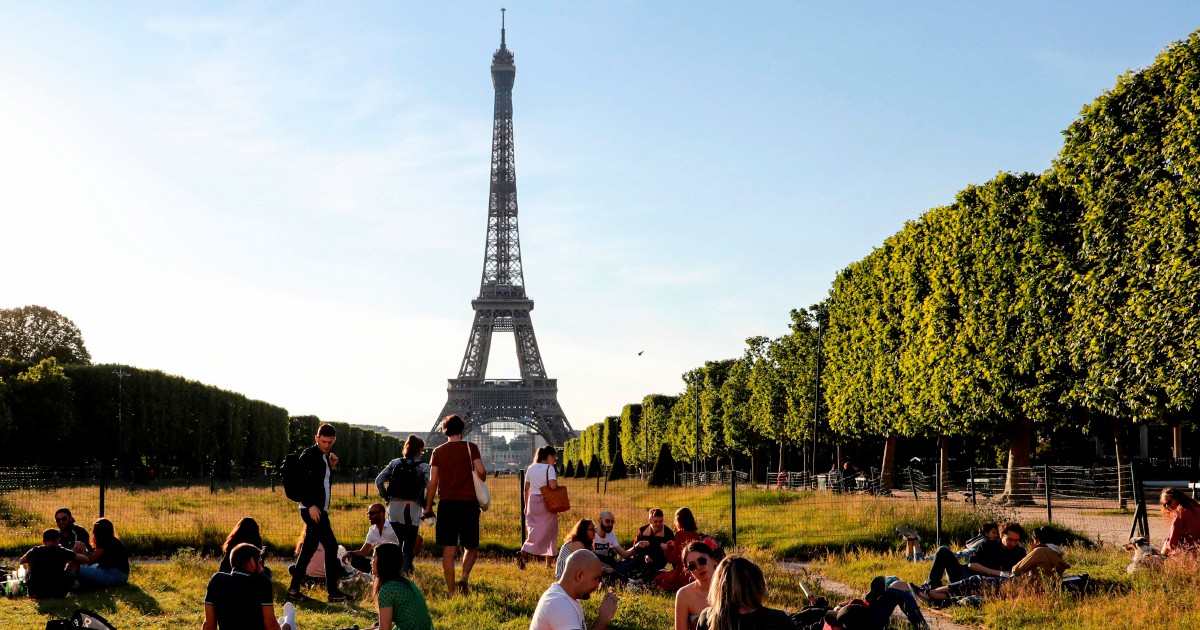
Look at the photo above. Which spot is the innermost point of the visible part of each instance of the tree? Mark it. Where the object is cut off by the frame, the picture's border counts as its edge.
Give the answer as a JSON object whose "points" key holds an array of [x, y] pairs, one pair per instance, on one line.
{"points": [[618, 471], [664, 468], [33, 333], [42, 408], [594, 469]]}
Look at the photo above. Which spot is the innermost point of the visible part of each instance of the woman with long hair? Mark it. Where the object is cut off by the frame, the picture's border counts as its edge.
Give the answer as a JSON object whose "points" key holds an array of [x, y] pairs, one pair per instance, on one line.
{"points": [[400, 603], [735, 600], [403, 482], [700, 560], [685, 533], [541, 525], [246, 531], [1183, 513], [581, 536], [108, 564]]}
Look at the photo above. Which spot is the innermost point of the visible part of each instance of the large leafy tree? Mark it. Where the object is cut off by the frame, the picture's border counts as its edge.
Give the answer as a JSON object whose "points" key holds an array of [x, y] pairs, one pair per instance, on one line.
{"points": [[33, 333]]}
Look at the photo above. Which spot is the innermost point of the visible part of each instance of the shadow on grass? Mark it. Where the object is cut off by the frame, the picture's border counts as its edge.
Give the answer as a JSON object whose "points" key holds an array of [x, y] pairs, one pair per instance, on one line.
{"points": [[103, 601]]}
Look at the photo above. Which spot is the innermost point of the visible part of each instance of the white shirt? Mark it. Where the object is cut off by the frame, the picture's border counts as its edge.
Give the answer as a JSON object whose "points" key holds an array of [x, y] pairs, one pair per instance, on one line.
{"points": [[535, 476], [328, 492], [376, 537], [603, 545], [557, 611]]}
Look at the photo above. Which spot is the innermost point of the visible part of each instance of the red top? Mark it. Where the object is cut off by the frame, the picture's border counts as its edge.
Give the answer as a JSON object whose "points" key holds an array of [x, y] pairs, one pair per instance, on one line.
{"points": [[1184, 531], [454, 469]]}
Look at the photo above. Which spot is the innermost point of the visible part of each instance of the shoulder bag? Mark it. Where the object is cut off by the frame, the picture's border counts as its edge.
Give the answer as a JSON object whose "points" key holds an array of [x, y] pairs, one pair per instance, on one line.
{"points": [[482, 495], [555, 499]]}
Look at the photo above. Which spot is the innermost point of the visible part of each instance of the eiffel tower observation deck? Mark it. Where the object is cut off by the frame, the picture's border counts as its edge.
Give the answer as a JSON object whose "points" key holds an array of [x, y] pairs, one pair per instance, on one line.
{"points": [[502, 304]]}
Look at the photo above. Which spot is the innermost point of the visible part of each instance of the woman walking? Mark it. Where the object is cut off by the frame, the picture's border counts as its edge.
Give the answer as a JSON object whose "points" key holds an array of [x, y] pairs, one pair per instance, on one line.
{"points": [[540, 524]]}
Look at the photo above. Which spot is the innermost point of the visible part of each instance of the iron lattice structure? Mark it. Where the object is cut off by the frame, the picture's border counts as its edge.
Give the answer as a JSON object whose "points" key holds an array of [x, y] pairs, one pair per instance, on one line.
{"points": [[502, 304]]}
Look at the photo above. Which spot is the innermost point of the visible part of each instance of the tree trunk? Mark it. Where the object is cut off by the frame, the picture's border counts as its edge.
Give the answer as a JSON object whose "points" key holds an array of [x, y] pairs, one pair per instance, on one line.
{"points": [[944, 468], [1177, 441], [1119, 447], [1020, 458], [780, 470], [889, 462]]}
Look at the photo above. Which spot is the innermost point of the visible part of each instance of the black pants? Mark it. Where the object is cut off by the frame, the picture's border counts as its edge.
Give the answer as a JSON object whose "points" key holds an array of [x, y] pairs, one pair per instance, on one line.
{"points": [[944, 561], [406, 531], [318, 532]]}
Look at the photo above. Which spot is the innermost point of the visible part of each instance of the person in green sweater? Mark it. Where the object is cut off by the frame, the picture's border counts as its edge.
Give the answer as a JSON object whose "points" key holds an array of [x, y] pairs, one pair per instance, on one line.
{"points": [[401, 602]]}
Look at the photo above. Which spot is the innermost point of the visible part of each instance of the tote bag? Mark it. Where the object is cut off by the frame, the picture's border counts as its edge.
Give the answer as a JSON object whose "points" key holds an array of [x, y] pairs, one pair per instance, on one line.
{"points": [[482, 494], [555, 499]]}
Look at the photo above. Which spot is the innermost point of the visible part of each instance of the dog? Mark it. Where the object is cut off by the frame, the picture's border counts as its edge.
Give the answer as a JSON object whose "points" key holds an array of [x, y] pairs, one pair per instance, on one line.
{"points": [[1145, 557]]}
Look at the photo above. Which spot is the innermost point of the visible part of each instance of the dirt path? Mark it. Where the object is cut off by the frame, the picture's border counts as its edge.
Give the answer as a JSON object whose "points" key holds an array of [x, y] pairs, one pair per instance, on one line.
{"points": [[936, 618]]}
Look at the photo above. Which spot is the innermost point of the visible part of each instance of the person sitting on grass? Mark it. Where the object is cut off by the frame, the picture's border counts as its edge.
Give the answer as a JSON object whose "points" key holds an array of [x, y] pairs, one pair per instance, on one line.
{"points": [[242, 598], [71, 535], [735, 599], [700, 560], [659, 539], [314, 573], [400, 602], [47, 566], [992, 558], [1043, 564], [1183, 514], [559, 607], [581, 536], [246, 531], [685, 532], [108, 563], [378, 533]]}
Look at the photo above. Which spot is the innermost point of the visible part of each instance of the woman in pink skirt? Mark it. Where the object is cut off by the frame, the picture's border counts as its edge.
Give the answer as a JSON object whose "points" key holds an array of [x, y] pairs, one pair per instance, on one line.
{"points": [[541, 525]]}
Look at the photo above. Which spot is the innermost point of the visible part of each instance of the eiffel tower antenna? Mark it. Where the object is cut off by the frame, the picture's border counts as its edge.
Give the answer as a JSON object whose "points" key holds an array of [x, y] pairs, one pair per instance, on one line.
{"points": [[502, 304]]}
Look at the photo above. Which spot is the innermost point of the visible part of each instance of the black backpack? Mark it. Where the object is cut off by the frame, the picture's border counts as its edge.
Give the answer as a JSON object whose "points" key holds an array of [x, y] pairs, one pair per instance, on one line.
{"points": [[293, 477], [406, 481], [81, 619]]}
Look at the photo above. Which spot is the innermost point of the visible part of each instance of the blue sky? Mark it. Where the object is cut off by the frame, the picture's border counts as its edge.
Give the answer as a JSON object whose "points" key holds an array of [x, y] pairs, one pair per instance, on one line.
{"points": [[289, 199]]}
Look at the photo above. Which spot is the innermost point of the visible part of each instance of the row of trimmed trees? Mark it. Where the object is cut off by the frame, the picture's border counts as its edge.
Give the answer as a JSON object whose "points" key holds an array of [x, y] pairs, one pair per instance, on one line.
{"points": [[1035, 303], [142, 420]]}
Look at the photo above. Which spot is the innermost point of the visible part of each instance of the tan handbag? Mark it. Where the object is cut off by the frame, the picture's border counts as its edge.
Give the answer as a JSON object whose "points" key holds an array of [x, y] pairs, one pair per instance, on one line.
{"points": [[482, 494], [555, 499]]}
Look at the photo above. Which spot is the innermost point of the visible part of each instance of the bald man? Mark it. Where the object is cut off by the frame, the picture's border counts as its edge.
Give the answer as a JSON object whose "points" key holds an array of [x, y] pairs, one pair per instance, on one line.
{"points": [[560, 607]]}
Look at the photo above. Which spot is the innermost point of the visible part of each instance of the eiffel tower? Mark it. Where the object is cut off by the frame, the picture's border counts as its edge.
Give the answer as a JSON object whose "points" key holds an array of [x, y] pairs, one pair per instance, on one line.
{"points": [[502, 304]]}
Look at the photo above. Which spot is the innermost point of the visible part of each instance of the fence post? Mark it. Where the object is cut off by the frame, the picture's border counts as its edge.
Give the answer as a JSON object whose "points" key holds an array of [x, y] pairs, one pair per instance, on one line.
{"points": [[597, 485], [971, 485], [353, 484], [733, 505], [1049, 510], [103, 485], [911, 484], [521, 493], [938, 487]]}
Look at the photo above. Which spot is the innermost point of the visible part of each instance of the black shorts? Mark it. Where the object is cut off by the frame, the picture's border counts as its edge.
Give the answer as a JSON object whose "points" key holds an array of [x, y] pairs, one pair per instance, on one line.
{"points": [[458, 524]]}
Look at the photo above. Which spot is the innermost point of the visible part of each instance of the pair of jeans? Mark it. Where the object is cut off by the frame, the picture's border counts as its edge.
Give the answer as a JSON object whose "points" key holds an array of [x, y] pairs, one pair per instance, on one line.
{"points": [[94, 575], [317, 532], [893, 597], [945, 561], [976, 585], [407, 533]]}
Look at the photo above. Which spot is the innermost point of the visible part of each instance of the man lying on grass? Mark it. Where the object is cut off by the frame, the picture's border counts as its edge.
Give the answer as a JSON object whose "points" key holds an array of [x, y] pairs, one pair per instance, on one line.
{"points": [[1043, 564]]}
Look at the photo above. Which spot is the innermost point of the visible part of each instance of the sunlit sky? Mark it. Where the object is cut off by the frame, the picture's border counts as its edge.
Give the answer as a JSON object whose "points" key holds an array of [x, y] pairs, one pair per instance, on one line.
{"points": [[289, 200]]}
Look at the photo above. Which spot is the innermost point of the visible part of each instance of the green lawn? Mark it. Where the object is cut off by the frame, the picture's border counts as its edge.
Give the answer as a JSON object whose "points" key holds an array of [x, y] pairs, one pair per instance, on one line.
{"points": [[170, 595]]}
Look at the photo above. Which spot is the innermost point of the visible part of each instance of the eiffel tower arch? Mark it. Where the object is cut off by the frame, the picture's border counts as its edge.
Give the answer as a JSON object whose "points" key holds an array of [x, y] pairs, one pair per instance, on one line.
{"points": [[502, 304]]}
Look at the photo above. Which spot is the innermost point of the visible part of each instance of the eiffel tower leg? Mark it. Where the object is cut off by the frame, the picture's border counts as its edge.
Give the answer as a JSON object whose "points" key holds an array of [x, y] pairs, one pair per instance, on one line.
{"points": [[528, 355], [479, 345]]}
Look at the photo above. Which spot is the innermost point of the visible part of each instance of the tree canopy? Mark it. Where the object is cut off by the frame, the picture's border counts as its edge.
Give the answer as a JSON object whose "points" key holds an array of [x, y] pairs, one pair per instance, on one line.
{"points": [[34, 333]]}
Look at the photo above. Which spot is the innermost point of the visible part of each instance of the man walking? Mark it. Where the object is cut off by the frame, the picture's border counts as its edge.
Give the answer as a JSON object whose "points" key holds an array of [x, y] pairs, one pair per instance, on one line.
{"points": [[316, 465], [450, 470]]}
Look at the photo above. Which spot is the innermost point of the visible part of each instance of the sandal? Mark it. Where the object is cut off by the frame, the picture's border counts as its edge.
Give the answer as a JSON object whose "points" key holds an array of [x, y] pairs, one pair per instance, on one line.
{"points": [[462, 587]]}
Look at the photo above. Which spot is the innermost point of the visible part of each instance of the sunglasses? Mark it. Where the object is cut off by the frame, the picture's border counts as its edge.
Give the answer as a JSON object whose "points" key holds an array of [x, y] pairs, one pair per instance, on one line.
{"points": [[64, 519], [701, 561]]}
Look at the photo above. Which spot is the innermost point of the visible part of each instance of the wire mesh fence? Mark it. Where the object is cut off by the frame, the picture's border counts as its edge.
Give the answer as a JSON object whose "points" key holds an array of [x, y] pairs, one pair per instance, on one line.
{"points": [[792, 513]]}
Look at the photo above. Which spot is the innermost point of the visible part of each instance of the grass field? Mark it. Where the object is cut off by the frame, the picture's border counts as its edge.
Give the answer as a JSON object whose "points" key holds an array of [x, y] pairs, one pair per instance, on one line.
{"points": [[170, 595], [156, 521]]}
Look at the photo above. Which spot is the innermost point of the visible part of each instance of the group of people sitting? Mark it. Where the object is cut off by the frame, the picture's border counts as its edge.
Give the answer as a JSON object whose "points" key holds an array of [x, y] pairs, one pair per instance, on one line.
{"points": [[70, 558]]}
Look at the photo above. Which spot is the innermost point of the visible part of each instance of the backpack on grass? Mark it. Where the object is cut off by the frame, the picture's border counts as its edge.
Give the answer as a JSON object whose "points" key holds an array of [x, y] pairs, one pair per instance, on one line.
{"points": [[406, 482], [81, 619], [292, 476]]}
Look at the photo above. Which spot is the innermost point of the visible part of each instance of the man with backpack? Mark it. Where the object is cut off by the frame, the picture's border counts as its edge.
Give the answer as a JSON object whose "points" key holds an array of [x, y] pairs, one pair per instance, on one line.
{"points": [[402, 482], [306, 480]]}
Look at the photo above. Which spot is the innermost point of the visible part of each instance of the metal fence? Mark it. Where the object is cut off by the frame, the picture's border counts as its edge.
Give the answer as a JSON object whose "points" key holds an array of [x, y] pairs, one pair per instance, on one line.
{"points": [[792, 513]]}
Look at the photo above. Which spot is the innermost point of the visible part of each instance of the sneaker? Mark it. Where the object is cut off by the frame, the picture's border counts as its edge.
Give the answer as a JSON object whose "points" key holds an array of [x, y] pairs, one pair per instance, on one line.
{"points": [[337, 597], [463, 588], [973, 601], [907, 533], [296, 596], [921, 593]]}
